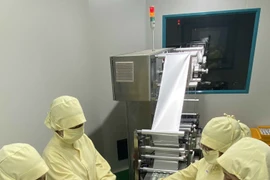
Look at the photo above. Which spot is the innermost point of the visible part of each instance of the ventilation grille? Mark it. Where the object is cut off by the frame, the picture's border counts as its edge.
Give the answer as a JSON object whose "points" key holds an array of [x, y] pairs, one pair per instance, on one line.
{"points": [[124, 71]]}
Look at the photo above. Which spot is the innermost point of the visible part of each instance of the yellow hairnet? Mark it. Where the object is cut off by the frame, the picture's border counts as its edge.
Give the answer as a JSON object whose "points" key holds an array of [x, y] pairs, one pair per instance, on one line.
{"points": [[21, 162], [222, 132], [65, 112], [248, 159]]}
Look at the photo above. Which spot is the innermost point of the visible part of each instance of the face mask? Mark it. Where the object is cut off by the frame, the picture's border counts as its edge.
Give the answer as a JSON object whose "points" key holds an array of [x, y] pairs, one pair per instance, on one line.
{"points": [[72, 135], [211, 156]]}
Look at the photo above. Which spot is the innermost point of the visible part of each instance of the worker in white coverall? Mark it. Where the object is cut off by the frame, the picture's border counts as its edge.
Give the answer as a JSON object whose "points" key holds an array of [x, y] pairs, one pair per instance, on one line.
{"points": [[248, 159], [21, 162], [218, 135], [71, 155]]}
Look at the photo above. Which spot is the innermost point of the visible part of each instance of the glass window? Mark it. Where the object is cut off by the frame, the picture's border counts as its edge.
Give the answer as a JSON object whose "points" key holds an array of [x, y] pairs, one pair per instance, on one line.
{"points": [[231, 47]]}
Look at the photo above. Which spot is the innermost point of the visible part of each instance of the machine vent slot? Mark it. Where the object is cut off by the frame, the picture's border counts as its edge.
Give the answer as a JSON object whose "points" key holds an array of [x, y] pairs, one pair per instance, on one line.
{"points": [[124, 71]]}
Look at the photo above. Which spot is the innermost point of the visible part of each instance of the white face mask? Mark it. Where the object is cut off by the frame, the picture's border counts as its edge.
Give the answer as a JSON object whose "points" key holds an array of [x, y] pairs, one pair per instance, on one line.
{"points": [[72, 135], [211, 156]]}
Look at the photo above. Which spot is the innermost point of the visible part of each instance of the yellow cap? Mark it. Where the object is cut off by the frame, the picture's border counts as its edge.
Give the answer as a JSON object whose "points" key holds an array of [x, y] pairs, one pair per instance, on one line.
{"points": [[21, 162], [222, 132], [65, 112], [249, 158]]}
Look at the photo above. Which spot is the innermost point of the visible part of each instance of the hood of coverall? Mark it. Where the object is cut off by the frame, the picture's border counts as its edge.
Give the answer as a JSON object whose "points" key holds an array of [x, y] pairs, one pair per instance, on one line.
{"points": [[222, 132], [65, 112], [248, 159], [21, 162]]}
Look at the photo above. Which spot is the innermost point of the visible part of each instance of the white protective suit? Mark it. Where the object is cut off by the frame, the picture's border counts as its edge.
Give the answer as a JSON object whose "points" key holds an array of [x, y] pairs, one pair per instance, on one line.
{"points": [[248, 159], [21, 162], [218, 134], [72, 156]]}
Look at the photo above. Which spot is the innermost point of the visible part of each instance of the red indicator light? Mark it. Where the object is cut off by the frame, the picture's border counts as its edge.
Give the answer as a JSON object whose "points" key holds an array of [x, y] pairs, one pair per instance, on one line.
{"points": [[152, 12], [152, 9], [178, 22]]}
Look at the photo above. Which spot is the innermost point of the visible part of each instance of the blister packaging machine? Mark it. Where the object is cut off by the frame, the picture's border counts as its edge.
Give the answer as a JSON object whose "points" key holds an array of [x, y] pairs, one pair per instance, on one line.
{"points": [[187, 150], [136, 79]]}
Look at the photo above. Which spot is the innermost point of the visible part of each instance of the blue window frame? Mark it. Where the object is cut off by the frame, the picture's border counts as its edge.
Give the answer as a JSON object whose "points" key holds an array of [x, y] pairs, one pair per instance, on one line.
{"points": [[168, 37]]}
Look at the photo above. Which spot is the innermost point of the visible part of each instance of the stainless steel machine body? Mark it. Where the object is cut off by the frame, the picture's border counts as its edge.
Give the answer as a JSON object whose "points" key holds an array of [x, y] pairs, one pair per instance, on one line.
{"points": [[136, 79], [135, 76]]}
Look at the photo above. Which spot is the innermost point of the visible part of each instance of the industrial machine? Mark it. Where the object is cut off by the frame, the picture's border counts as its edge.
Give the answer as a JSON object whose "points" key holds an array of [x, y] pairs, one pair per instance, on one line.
{"points": [[136, 79], [149, 163]]}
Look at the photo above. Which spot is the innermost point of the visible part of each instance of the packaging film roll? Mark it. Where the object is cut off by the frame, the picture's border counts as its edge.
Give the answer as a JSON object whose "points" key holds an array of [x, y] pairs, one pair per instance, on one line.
{"points": [[172, 92], [169, 107]]}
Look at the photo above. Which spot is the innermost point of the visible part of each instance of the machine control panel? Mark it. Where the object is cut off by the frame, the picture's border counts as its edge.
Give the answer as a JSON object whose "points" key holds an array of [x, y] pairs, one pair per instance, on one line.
{"points": [[262, 133]]}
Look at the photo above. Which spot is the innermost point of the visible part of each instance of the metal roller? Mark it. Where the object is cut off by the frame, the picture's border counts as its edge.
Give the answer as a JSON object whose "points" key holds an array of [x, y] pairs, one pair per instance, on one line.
{"points": [[156, 170], [191, 100], [162, 144], [150, 132], [184, 129], [189, 114], [164, 157], [189, 120], [163, 149], [186, 126]]}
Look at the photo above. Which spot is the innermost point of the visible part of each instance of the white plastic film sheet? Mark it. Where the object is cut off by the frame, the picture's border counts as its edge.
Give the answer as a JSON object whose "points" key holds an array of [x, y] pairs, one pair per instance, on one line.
{"points": [[170, 104], [172, 92]]}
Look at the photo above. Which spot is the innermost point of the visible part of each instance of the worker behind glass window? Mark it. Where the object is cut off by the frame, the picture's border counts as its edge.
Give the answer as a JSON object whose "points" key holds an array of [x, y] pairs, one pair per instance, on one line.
{"points": [[21, 162], [70, 154], [218, 135], [247, 159]]}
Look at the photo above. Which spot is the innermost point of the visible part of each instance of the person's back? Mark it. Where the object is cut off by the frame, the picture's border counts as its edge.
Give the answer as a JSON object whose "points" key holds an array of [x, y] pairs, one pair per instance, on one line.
{"points": [[248, 159], [21, 162], [218, 135], [70, 154]]}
